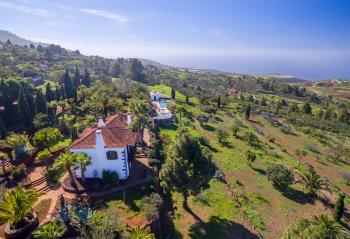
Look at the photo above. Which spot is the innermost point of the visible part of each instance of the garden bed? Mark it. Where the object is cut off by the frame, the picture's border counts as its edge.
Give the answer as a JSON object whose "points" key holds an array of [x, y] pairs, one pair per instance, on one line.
{"points": [[42, 209]]}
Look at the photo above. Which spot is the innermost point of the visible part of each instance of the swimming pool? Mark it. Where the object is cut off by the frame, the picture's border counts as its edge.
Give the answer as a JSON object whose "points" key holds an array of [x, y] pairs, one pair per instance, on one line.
{"points": [[163, 104]]}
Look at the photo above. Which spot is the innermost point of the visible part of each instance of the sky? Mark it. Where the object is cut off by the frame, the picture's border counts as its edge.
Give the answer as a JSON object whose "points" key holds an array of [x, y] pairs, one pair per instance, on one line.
{"points": [[304, 38]]}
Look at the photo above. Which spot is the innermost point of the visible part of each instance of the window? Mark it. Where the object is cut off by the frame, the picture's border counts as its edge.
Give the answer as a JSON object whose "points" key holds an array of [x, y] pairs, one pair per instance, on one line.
{"points": [[112, 155]]}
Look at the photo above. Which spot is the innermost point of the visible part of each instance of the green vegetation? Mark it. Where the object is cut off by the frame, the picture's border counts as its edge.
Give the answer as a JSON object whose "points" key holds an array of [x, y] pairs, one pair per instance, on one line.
{"points": [[283, 130]]}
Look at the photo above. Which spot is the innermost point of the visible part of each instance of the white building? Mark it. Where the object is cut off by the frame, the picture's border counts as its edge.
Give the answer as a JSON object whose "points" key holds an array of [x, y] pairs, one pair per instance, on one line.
{"points": [[156, 96], [110, 145]]}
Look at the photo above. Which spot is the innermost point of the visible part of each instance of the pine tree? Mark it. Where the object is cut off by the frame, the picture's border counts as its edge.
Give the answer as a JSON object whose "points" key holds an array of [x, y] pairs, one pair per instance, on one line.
{"points": [[173, 93], [339, 207], [49, 94], [187, 169], [76, 80], [40, 102], [24, 109], [219, 102], [68, 86], [2, 129], [307, 108], [87, 79]]}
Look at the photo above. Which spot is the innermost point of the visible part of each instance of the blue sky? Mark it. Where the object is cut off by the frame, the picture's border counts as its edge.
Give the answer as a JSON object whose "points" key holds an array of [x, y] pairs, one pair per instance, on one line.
{"points": [[305, 38]]}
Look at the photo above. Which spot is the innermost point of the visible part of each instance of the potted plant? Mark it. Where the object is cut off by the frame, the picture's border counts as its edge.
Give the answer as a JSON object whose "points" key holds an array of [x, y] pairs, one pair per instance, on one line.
{"points": [[16, 211]]}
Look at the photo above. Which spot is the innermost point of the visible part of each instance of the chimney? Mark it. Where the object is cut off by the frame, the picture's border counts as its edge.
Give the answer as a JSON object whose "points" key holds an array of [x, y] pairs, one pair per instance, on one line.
{"points": [[101, 123], [99, 139], [128, 119]]}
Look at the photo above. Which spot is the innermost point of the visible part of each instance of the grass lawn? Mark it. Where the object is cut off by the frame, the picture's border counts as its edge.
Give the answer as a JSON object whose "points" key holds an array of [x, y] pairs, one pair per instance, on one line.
{"points": [[166, 90]]}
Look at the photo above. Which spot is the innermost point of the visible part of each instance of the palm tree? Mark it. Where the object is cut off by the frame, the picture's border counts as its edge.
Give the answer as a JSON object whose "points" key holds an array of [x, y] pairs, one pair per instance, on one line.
{"points": [[296, 229], [19, 143], [141, 233], [66, 160], [313, 182], [53, 230], [323, 226], [17, 206], [82, 161]]}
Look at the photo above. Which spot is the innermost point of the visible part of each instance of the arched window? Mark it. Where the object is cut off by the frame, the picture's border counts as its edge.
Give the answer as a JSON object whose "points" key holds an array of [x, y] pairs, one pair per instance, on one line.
{"points": [[112, 155]]}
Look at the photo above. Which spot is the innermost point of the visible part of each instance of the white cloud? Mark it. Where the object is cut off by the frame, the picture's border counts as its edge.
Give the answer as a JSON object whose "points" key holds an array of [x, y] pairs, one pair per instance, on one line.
{"points": [[26, 9], [105, 14]]}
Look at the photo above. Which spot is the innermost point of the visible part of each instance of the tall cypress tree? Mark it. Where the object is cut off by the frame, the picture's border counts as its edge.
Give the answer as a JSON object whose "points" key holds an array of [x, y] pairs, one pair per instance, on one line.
{"points": [[76, 80], [2, 129], [87, 79], [49, 94], [31, 103], [58, 95], [24, 109], [7, 103], [40, 102], [173, 93], [68, 86], [219, 102]]}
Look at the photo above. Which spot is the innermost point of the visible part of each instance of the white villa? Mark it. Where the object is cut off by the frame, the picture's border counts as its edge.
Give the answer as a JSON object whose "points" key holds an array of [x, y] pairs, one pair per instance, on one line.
{"points": [[110, 145], [156, 96], [163, 114]]}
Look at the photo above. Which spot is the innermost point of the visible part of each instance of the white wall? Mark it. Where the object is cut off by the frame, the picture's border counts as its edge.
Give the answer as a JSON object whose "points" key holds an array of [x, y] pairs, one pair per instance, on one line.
{"points": [[99, 162]]}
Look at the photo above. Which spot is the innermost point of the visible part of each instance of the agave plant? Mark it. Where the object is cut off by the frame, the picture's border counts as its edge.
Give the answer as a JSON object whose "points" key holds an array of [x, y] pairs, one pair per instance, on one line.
{"points": [[313, 182], [52, 230], [17, 206], [141, 233]]}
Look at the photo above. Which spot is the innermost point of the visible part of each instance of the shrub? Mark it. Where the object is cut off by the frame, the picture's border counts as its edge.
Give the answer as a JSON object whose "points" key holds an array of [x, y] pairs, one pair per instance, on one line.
{"points": [[53, 230], [202, 119], [151, 205], [253, 140], [271, 139], [53, 175], [222, 136], [110, 178], [151, 154], [153, 162], [235, 129], [280, 176], [251, 157]]}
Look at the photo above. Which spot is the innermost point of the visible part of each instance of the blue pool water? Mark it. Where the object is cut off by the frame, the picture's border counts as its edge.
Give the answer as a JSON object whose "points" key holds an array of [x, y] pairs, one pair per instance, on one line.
{"points": [[163, 104]]}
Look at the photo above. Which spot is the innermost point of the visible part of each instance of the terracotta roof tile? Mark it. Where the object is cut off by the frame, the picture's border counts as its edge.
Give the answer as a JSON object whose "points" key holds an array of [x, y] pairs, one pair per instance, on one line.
{"points": [[115, 134]]}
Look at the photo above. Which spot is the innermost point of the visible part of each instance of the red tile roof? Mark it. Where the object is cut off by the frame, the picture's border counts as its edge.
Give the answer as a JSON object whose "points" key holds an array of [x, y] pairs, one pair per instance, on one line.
{"points": [[115, 134]]}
